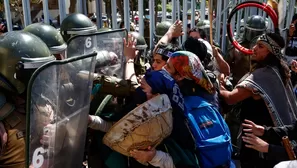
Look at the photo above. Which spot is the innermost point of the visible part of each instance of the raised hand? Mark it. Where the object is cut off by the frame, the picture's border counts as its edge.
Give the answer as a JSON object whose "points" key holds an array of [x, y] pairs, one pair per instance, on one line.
{"points": [[130, 51], [251, 127], [176, 29]]}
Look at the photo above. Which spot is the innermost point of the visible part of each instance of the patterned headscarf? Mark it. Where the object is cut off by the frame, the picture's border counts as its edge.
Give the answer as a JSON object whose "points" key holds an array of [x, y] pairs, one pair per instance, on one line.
{"points": [[189, 66], [271, 45]]}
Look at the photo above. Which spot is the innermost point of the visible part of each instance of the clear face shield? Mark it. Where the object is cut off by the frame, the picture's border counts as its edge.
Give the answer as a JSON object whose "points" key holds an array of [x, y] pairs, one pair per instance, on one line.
{"points": [[251, 33], [27, 66]]}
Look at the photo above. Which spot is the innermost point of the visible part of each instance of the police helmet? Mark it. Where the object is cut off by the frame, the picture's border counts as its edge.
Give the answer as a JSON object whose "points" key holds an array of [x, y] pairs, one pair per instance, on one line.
{"points": [[162, 28], [76, 24], [21, 53], [255, 26], [140, 41], [49, 35]]}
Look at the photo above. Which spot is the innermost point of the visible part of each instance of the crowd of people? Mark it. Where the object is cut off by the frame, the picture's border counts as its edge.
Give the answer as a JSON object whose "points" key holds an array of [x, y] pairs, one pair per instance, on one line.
{"points": [[228, 109]]}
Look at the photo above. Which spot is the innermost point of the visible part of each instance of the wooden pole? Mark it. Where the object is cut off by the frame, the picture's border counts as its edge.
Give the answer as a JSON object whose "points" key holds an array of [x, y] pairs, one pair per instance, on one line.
{"points": [[210, 16], [288, 147]]}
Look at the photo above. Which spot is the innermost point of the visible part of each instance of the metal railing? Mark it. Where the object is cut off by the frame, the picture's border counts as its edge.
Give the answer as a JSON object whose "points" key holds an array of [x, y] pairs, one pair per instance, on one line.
{"points": [[221, 12]]}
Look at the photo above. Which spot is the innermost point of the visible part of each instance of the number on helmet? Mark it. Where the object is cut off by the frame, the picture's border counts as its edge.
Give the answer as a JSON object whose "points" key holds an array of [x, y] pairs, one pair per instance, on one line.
{"points": [[88, 42]]}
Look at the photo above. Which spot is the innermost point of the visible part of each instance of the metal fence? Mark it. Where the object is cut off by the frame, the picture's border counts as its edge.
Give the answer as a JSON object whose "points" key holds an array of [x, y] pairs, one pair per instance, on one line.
{"points": [[219, 21]]}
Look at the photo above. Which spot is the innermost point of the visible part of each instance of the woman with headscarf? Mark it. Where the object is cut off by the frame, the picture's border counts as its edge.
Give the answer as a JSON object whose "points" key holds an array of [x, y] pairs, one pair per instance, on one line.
{"points": [[264, 95], [204, 119], [176, 150]]}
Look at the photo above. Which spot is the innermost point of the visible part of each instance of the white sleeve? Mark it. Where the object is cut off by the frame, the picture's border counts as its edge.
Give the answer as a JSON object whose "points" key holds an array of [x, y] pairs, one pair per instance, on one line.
{"points": [[98, 123], [286, 164], [162, 160]]}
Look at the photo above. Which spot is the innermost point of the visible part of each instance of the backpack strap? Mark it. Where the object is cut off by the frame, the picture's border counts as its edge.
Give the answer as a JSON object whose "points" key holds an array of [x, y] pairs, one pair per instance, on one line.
{"points": [[192, 102]]}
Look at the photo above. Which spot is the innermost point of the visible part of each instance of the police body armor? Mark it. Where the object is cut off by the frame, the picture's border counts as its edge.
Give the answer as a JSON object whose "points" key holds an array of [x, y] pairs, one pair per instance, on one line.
{"points": [[12, 126], [21, 54]]}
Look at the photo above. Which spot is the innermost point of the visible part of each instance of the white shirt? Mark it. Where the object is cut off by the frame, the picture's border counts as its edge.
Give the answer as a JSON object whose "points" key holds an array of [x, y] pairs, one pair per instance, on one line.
{"points": [[287, 164]]}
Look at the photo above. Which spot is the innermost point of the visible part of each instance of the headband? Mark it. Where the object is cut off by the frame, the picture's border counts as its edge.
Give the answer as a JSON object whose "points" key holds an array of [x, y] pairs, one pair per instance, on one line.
{"points": [[163, 52], [271, 45]]}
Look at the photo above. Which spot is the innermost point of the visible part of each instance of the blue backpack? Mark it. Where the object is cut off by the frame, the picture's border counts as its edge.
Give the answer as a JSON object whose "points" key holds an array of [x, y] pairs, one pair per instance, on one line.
{"points": [[210, 131]]}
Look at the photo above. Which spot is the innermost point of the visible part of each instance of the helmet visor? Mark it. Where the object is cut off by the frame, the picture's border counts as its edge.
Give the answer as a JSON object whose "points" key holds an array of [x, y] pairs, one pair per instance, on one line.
{"points": [[251, 33]]}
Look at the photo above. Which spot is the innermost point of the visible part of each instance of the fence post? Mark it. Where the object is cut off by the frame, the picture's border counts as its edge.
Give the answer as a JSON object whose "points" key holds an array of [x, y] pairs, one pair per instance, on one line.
{"points": [[26, 12], [193, 13], [114, 16], [8, 15], [185, 19], [202, 10], [164, 2], [62, 10], [140, 14], [126, 15], [152, 22], [173, 10], [46, 18]]}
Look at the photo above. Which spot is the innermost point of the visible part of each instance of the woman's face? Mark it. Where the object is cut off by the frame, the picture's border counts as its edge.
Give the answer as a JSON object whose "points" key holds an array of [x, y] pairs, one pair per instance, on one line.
{"points": [[172, 71], [260, 52], [146, 89], [158, 63]]}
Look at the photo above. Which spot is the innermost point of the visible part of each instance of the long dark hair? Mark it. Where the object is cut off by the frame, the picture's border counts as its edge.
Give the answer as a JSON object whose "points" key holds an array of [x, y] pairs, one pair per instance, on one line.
{"points": [[273, 61]]}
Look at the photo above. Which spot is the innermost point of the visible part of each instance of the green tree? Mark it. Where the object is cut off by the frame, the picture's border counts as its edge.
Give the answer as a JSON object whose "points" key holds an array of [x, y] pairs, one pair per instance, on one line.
{"points": [[169, 8], [159, 7]]}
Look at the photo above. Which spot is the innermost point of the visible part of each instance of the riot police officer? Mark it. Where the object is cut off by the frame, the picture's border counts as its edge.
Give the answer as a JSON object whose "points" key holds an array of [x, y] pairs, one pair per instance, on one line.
{"points": [[239, 62], [50, 36], [116, 86], [161, 30], [73, 25], [76, 24], [142, 59], [204, 25], [20, 54]]}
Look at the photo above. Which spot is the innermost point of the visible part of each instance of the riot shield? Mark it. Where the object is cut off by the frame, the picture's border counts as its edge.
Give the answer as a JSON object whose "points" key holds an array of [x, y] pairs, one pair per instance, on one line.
{"points": [[109, 45], [57, 112]]}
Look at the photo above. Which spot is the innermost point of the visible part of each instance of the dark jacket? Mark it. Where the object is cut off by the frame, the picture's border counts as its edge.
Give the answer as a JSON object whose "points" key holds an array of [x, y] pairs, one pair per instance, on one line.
{"points": [[274, 134]]}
